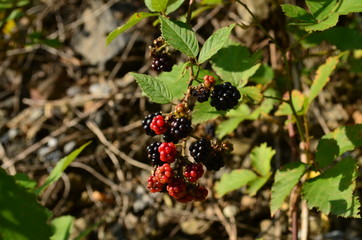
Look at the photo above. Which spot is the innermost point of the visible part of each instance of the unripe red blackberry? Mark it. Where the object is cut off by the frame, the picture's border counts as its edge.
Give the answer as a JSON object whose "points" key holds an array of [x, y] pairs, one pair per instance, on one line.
{"points": [[202, 94], [154, 185], [200, 193], [147, 121], [224, 96], [164, 173], [167, 152], [180, 128], [193, 172], [215, 161], [176, 188], [200, 150], [154, 154], [187, 198], [163, 62], [209, 81], [159, 125]]}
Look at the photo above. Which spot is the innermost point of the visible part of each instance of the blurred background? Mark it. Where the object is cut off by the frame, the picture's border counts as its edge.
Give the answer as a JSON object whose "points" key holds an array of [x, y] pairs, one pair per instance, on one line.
{"points": [[61, 86]]}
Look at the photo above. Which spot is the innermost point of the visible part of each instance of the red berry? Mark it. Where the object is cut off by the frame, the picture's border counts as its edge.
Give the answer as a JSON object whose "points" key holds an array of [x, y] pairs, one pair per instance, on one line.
{"points": [[167, 152], [154, 185], [209, 80], [164, 173], [200, 193], [193, 172], [187, 198], [176, 188], [159, 125]]}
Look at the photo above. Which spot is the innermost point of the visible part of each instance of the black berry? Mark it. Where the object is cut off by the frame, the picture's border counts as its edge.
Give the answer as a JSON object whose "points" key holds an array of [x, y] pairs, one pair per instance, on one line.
{"points": [[200, 150], [202, 94], [180, 128], [154, 154], [163, 62], [215, 161], [146, 123], [224, 96]]}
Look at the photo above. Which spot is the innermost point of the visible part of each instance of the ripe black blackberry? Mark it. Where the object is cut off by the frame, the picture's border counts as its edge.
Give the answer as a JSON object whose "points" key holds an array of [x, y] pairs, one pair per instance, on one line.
{"points": [[168, 137], [163, 62], [180, 128], [200, 150], [146, 123], [215, 161], [202, 94], [154, 154], [224, 96]]}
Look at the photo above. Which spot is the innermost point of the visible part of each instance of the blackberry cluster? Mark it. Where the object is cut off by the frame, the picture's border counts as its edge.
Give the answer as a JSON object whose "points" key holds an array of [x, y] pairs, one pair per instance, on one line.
{"points": [[224, 96], [180, 128], [163, 62], [154, 154], [211, 157], [146, 123], [202, 94], [200, 150]]}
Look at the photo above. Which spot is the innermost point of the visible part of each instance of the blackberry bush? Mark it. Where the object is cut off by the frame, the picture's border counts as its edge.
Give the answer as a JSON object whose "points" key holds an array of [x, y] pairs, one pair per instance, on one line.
{"points": [[146, 123], [163, 62], [154, 154], [200, 150], [224, 96]]}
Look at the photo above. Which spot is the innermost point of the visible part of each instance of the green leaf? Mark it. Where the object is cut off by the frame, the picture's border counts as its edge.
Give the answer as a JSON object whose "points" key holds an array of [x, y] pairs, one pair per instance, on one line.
{"points": [[234, 63], [332, 191], [62, 227], [60, 167], [349, 6], [299, 103], [211, 2], [24, 180], [321, 9], [334, 144], [215, 42], [133, 20], [21, 216], [322, 77], [233, 180], [156, 5], [180, 36], [259, 182], [263, 75], [252, 92], [204, 112], [297, 14], [175, 81], [261, 157], [173, 5], [88, 230], [228, 126], [285, 180], [153, 88], [329, 22]]}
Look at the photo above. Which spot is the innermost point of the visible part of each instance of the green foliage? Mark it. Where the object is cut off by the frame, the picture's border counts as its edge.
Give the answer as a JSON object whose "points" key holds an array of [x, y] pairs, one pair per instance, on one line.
{"points": [[332, 191], [24, 181], [234, 180], [263, 75], [173, 5], [62, 227], [156, 5], [234, 63], [153, 88], [334, 144], [176, 81], [204, 112], [6, 4], [214, 43], [285, 180], [299, 102], [260, 159], [133, 20], [343, 38], [21, 216], [180, 36], [323, 14], [60, 167], [322, 77], [252, 92]]}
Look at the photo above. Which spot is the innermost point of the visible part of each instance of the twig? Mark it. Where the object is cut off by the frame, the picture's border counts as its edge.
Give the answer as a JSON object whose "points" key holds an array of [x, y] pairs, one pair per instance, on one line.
{"points": [[228, 227], [189, 12], [94, 128]]}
